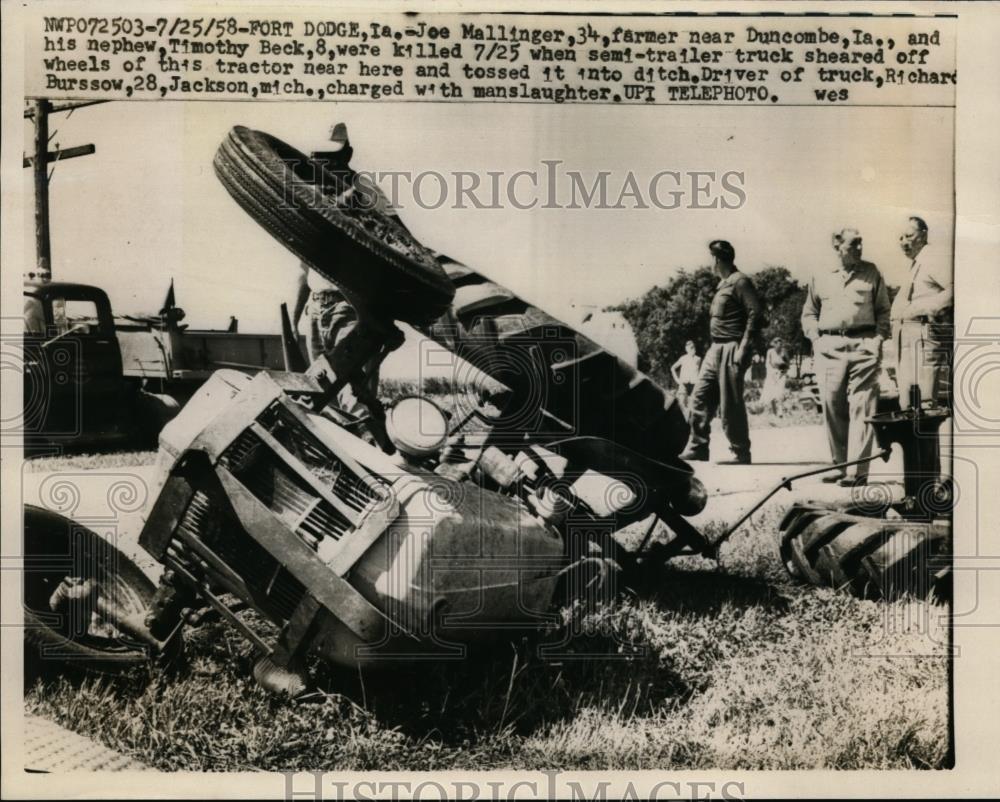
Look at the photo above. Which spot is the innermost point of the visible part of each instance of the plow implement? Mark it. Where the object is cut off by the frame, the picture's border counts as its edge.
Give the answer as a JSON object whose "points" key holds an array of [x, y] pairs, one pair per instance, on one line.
{"points": [[870, 545]]}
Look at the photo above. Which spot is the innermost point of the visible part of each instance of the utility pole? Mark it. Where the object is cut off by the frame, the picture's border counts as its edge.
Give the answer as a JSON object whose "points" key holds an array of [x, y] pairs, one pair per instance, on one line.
{"points": [[39, 110], [40, 166]]}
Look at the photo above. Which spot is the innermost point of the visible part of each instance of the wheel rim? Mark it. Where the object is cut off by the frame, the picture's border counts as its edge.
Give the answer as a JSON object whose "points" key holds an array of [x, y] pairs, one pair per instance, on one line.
{"points": [[412, 285], [62, 556]]}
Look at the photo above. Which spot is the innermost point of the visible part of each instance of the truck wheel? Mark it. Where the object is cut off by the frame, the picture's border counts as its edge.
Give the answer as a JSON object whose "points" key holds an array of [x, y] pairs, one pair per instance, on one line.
{"points": [[866, 556], [340, 232], [155, 410], [63, 624]]}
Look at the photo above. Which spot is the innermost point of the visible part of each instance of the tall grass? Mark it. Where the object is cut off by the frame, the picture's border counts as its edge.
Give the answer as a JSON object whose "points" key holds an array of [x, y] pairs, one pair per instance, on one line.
{"points": [[729, 666], [701, 665]]}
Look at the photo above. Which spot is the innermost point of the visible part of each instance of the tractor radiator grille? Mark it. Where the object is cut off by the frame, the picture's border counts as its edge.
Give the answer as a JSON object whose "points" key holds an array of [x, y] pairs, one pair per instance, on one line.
{"points": [[289, 470], [211, 522], [290, 496], [283, 491], [315, 455]]}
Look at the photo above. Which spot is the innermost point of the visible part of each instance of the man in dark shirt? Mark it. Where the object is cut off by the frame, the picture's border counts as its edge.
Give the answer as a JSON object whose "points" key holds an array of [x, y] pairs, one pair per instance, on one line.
{"points": [[736, 317]]}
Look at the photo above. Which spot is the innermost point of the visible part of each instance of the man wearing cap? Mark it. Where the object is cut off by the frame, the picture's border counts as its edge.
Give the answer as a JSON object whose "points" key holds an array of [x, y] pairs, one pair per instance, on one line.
{"points": [[736, 318], [846, 316], [921, 319]]}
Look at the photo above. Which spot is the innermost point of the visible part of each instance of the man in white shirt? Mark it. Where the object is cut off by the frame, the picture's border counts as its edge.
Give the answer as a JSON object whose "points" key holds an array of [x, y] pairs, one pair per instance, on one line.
{"points": [[922, 319], [846, 316], [685, 372]]}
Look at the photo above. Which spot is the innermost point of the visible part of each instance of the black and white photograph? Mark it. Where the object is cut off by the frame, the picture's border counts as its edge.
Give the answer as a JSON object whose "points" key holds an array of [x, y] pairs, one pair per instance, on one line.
{"points": [[414, 402]]}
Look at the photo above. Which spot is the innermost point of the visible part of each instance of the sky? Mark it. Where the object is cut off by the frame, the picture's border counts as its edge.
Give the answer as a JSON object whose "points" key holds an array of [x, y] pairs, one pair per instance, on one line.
{"points": [[147, 208]]}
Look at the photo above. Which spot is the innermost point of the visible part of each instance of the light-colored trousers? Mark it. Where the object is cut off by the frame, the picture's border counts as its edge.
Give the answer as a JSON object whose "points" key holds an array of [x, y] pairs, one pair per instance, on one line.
{"points": [[331, 318], [848, 372], [923, 358]]}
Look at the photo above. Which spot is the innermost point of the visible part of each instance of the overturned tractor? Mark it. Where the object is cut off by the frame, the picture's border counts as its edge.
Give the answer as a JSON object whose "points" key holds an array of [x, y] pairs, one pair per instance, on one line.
{"points": [[409, 532]]}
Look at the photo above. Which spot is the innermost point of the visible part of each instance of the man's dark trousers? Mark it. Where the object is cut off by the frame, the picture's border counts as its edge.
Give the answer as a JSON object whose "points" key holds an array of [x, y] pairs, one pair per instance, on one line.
{"points": [[720, 389]]}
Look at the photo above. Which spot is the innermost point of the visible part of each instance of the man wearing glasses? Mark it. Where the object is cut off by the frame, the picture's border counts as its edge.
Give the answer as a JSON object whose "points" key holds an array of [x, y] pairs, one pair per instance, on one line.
{"points": [[846, 316], [922, 320]]}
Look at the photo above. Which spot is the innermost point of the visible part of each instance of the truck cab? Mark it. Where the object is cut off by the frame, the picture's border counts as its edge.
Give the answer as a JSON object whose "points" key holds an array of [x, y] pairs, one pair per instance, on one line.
{"points": [[73, 383]]}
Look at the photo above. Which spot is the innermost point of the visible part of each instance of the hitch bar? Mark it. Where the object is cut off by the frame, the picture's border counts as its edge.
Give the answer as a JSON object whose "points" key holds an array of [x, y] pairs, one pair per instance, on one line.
{"points": [[712, 549]]}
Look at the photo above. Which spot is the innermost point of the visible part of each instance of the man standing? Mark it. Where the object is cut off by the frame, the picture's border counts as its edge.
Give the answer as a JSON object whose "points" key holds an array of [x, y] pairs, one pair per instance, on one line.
{"points": [[331, 316], [685, 372], [921, 320], [736, 317], [846, 316], [34, 314], [776, 376]]}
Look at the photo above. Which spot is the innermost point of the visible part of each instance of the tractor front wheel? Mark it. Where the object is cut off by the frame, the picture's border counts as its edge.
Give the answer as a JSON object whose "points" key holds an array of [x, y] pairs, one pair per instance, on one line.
{"points": [[866, 556], [78, 588]]}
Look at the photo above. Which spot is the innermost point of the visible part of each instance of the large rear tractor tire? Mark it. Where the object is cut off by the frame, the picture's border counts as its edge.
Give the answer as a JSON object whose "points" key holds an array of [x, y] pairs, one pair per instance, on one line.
{"points": [[63, 622], [552, 367], [334, 224], [866, 556]]}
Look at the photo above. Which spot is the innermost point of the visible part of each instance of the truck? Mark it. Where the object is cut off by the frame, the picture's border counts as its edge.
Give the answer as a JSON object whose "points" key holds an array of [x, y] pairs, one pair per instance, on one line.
{"points": [[93, 379]]}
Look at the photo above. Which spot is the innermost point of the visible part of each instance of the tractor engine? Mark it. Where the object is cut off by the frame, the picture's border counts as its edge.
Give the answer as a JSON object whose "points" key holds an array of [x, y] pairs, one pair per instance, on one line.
{"points": [[350, 553]]}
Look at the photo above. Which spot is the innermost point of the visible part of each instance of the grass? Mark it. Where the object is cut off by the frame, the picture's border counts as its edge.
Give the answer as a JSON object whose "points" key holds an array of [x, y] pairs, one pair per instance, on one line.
{"points": [[88, 461], [705, 666]]}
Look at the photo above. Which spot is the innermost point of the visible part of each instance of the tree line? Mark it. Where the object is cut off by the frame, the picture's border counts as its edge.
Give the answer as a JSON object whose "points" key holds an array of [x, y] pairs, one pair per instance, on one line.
{"points": [[666, 317]]}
